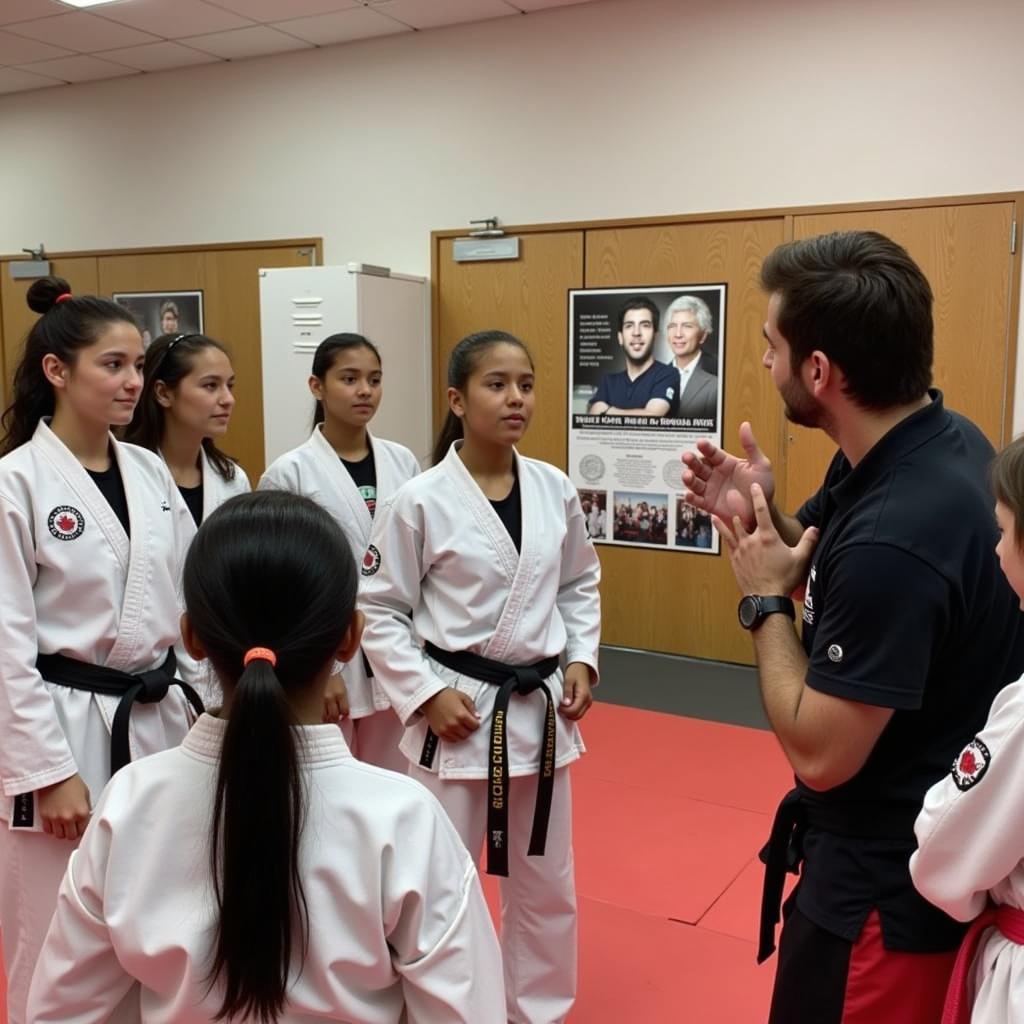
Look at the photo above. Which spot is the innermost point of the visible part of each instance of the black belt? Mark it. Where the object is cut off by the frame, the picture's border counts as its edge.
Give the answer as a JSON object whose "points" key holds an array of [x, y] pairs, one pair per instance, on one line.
{"points": [[524, 680], [145, 687], [784, 851]]}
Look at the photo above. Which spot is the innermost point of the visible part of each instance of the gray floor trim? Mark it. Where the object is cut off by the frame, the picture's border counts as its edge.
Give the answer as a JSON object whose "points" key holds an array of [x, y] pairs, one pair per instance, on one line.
{"points": [[711, 690]]}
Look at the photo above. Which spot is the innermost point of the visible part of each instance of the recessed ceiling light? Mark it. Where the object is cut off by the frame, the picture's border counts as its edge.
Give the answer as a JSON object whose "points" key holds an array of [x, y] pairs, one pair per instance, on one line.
{"points": [[87, 3]]}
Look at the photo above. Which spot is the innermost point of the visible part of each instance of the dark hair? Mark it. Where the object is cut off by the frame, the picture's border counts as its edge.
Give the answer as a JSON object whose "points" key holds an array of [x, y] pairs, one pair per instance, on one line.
{"points": [[462, 363], [859, 298], [1007, 478], [640, 302], [64, 327], [170, 359], [267, 569], [324, 357]]}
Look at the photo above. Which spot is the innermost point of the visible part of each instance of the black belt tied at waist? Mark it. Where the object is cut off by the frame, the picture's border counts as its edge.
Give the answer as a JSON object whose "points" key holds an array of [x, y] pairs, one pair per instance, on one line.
{"points": [[784, 851], [524, 680], [145, 687]]}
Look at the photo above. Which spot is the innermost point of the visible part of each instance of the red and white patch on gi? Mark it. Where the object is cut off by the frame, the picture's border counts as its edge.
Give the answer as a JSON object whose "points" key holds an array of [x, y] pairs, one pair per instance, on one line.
{"points": [[971, 764], [371, 561], [66, 522]]}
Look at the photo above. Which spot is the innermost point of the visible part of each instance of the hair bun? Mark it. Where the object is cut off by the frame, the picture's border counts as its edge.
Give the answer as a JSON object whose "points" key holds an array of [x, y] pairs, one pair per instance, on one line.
{"points": [[43, 294]]}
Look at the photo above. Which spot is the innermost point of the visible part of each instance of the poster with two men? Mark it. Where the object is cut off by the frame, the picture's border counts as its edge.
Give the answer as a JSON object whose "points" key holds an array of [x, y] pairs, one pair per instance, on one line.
{"points": [[646, 367]]}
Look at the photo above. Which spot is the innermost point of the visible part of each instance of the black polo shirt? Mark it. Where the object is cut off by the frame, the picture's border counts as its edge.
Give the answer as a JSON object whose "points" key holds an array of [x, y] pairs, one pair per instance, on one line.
{"points": [[906, 608], [657, 381]]}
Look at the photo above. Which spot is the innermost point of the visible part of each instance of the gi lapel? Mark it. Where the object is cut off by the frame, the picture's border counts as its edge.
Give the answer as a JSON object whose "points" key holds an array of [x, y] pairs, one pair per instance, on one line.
{"points": [[358, 520]]}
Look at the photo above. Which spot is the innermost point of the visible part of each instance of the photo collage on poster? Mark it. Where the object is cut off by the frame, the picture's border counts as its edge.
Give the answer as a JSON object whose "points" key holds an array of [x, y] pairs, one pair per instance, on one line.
{"points": [[646, 367], [164, 312]]}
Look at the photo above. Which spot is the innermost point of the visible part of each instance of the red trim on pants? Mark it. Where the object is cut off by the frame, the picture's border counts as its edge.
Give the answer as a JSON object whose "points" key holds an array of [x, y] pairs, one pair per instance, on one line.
{"points": [[885, 986]]}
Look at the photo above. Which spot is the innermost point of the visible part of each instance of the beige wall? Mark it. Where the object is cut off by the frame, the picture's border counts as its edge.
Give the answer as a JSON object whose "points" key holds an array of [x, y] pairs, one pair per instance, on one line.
{"points": [[613, 109]]}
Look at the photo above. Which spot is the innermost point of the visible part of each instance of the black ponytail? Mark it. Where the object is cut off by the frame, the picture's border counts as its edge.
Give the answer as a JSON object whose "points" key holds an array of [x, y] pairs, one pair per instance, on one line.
{"points": [[461, 363], [170, 358], [66, 324], [267, 569], [323, 360]]}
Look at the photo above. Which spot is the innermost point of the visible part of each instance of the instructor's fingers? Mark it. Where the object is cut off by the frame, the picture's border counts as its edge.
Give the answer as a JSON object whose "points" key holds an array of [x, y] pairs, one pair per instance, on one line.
{"points": [[725, 533], [750, 445], [762, 513]]}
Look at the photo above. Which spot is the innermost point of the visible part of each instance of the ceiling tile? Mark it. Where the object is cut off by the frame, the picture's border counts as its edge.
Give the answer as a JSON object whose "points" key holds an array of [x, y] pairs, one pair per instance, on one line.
{"points": [[343, 27], [79, 69], [278, 10], [18, 50], [247, 42], [81, 32], [157, 56], [15, 80], [24, 10], [433, 13], [175, 19]]}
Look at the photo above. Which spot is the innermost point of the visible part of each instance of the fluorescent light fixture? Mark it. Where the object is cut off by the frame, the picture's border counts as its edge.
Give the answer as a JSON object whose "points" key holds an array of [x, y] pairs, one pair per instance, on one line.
{"points": [[87, 3]]}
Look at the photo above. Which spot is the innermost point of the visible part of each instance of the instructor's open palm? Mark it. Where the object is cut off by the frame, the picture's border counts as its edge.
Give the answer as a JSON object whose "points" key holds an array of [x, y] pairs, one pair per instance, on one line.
{"points": [[719, 483]]}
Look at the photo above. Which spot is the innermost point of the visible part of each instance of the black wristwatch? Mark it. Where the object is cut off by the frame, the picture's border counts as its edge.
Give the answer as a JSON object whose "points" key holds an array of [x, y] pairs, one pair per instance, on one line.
{"points": [[754, 609]]}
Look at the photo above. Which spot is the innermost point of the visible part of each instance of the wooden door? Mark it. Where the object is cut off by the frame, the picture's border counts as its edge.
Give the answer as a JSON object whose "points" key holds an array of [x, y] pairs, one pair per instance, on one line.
{"points": [[672, 601], [529, 298], [964, 252], [17, 319]]}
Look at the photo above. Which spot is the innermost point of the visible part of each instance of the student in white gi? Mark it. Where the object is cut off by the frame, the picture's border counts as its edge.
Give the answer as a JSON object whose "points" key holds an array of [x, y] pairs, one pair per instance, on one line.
{"points": [[970, 856], [260, 872], [186, 405], [480, 581], [348, 471], [92, 539]]}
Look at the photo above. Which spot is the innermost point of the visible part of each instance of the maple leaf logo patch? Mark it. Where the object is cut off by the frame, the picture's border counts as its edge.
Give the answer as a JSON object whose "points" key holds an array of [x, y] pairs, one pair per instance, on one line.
{"points": [[971, 764], [66, 522]]}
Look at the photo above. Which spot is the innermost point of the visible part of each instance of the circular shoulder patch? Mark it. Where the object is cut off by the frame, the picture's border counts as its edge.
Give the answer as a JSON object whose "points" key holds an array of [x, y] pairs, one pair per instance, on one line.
{"points": [[971, 764], [835, 653], [371, 561], [66, 522]]}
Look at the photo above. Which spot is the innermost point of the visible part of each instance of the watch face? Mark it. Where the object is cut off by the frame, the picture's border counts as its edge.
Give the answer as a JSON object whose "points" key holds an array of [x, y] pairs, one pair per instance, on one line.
{"points": [[749, 611]]}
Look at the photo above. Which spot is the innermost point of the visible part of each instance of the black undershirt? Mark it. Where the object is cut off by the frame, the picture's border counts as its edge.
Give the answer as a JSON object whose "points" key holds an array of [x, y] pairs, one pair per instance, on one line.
{"points": [[364, 476], [194, 499], [112, 488], [510, 512]]}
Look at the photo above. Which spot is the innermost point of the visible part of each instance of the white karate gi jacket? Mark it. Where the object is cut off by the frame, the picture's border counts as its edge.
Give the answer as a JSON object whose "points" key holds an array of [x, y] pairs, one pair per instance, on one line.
{"points": [[442, 567], [970, 835], [74, 584], [315, 471], [399, 930]]}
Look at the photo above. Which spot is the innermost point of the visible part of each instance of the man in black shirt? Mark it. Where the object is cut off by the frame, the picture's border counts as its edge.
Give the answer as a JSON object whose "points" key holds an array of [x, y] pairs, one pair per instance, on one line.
{"points": [[908, 627]]}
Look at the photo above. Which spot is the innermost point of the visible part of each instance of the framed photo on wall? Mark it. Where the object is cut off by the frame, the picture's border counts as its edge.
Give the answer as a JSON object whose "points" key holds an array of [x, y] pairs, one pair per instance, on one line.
{"points": [[164, 312]]}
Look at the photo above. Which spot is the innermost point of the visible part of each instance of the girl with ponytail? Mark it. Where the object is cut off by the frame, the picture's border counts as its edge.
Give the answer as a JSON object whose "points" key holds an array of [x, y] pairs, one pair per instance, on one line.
{"points": [[483, 618], [349, 471], [259, 872], [92, 539]]}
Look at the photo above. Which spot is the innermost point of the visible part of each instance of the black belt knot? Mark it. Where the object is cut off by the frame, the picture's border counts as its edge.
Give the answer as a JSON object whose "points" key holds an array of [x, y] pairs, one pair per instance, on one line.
{"points": [[148, 687], [510, 679]]}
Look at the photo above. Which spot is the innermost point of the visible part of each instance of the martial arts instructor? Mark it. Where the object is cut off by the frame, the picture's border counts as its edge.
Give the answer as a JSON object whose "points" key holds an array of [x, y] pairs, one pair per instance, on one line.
{"points": [[908, 629]]}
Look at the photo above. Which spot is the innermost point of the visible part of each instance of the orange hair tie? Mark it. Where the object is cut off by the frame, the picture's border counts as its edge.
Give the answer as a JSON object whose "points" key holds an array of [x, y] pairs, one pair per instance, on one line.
{"points": [[261, 654], [63, 298]]}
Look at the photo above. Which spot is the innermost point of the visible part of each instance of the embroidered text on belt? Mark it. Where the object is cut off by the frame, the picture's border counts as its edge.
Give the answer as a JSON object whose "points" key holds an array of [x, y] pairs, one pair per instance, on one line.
{"points": [[145, 687], [1010, 922], [509, 679]]}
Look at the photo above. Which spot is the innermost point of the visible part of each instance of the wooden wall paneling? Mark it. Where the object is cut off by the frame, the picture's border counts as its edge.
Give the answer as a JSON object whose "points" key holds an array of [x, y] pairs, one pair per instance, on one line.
{"points": [[527, 297], [17, 319], [964, 252], [233, 317], [671, 601]]}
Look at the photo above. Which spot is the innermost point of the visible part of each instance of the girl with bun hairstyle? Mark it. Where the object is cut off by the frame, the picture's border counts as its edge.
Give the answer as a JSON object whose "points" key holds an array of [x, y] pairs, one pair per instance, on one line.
{"points": [[93, 534]]}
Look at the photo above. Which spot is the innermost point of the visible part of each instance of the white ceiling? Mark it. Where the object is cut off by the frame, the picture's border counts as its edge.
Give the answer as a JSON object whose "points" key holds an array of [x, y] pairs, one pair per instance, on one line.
{"points": [[46, 43]]}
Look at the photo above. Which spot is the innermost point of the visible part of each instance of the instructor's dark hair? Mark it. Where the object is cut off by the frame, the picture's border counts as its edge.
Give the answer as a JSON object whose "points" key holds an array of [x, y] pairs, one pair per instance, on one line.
{"points": [[1007, 476], [267, 569], [858, 297], [326, 352], [170, 359], [64, 326], [462, 363]]}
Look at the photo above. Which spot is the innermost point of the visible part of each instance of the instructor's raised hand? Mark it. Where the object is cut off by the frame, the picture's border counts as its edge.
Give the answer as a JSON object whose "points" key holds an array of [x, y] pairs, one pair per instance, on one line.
{"points": [[719, 483]]}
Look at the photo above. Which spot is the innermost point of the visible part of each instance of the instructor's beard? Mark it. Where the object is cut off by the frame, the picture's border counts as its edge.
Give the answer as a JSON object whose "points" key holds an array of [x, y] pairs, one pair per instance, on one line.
{"points": [[802, 408]]}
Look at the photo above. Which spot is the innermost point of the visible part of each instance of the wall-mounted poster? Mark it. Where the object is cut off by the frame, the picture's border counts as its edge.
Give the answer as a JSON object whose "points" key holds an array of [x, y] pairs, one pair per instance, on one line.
{"points": [[164, 312], [645, 385]]}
